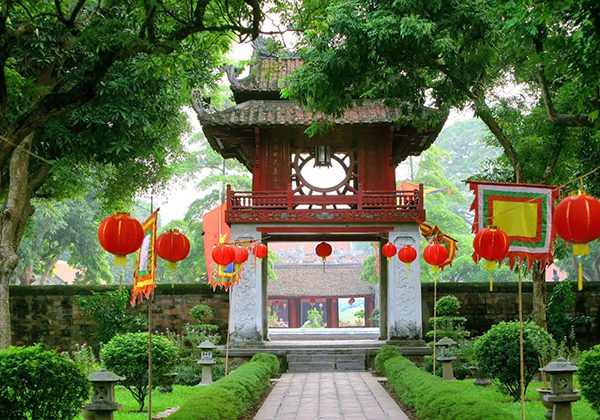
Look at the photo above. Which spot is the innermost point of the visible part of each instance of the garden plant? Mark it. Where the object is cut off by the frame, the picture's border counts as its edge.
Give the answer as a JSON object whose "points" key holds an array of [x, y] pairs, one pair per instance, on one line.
{"points": [[36, 383], [127, 355], [589, 376], [497, 354]]}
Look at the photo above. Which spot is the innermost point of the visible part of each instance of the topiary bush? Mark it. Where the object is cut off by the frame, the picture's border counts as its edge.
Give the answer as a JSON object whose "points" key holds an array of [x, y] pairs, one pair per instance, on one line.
{"points": [[40, 384], [127, 355], [497, 354], [383, 355], [588, 370], [201, 313]]}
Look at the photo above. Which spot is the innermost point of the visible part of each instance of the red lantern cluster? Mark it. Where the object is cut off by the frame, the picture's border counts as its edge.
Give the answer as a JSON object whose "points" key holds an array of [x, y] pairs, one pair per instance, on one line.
{"points": [[172, 246], [388, 250], [577, 220], [240, 255], [223, 254], [407, 254], [120, 235], [492, 245]]}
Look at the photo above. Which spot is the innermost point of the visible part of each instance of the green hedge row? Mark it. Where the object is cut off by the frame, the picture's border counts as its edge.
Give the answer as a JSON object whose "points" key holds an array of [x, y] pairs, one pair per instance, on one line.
{"points": [[436, 399], [231, 397]]}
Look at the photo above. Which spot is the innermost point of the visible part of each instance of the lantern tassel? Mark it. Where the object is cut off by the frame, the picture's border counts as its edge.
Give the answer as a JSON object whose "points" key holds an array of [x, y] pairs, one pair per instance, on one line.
{"points": [[491, 281], [407, 270], [580, 276], [120, 261], [172, 265], [173, 280], [491, 267], [120, 279], [323, 264]]}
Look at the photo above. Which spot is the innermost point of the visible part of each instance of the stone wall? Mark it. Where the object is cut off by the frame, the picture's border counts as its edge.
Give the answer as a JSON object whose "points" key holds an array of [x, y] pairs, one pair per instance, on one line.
{"points": [[48, 314], [484, 309]]}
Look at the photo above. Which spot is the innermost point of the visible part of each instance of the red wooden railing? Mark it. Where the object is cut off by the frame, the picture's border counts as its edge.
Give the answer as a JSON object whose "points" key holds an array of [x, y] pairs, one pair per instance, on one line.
{"points": [[362, 200]]}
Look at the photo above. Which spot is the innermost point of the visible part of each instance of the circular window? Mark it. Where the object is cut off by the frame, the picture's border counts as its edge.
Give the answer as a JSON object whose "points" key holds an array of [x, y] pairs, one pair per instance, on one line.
{"points": [[323, 179]]}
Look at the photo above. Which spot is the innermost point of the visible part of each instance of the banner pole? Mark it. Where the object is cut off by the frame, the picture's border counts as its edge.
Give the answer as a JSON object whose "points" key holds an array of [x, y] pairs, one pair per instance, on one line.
{"points": [[150, 299], [521, 352], [228, 333]]}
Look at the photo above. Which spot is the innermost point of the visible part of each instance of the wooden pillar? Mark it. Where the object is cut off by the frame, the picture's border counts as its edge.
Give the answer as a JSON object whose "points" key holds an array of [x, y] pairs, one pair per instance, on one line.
{"points": [[265, 300], [293, 311], [369, 305], [332, 319]]}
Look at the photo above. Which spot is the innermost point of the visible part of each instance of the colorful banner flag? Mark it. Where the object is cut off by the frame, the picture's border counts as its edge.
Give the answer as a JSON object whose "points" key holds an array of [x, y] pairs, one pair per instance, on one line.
{"points": [[143, 277], [433, 233], [523, 211]]}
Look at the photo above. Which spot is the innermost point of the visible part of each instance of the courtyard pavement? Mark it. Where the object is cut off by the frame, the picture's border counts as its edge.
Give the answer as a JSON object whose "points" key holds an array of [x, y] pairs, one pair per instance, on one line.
{"points": [[329, 395]]}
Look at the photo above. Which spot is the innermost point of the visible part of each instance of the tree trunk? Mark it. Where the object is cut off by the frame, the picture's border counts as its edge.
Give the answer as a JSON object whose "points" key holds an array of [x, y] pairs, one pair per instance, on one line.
{"points": [[48, 269], [539, 296], [12, 219], [26, 276]]}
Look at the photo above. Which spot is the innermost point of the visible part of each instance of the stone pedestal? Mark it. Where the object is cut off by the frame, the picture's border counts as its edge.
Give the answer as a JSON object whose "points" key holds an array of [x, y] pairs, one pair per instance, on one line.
{"points": [[447, 370], [404, 318], [247, 300]]}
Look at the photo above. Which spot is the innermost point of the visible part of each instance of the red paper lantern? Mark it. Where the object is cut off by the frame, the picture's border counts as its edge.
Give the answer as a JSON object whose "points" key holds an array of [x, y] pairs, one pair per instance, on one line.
{"points": [[240, 255], [351, 301], [435, 255], [260, 251], [407, 254], [492, 245], [120, 235], [276, 304], [323, 250], [577, 220], [172, 246], [388, 250], [223, 254]]}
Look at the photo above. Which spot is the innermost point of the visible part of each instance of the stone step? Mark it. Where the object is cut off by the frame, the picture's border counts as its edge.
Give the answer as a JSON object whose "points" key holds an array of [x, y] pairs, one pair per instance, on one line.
{"points": [[326, 361]]}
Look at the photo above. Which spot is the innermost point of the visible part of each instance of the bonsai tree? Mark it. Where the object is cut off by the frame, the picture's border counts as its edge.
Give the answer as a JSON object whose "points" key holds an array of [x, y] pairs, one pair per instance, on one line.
{"points": [[497, 354], [127, 355]]}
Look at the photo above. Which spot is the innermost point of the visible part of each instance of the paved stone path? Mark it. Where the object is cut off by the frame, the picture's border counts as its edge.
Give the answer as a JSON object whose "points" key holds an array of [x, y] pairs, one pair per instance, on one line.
{"points": [[329, 395]]}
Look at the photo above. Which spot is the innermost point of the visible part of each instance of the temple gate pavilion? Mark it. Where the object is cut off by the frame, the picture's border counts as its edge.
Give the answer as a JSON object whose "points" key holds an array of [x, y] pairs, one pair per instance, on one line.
{"points": [[291, 199]]}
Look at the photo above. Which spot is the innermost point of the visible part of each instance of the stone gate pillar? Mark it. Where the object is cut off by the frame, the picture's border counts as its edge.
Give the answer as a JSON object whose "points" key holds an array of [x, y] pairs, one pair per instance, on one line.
{"points": [[404, 316], [246, 324]]}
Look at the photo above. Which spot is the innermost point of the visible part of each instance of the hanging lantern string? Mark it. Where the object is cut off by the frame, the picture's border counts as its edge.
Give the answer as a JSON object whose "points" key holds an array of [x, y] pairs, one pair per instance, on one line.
{"points": [[579, 180]]}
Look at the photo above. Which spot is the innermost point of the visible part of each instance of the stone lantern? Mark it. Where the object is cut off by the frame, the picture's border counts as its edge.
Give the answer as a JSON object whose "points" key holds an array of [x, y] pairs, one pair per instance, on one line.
{"points": [[561, 386], [103, 398], [447, 371], [207, 361]]}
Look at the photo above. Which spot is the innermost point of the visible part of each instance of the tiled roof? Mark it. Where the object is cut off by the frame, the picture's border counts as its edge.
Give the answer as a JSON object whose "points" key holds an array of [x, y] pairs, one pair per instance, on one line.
{"points": [[336, 280], [286, 113]]}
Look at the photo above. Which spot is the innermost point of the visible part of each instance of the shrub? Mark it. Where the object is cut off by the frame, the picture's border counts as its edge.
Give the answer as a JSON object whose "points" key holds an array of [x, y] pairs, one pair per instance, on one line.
{"points": [[497, 354], [40, 384], [383, 355], [127, 355], [436, 399], [201, 313], [560, 311], [447, 306], [589, 376], [449, 323], [231, 397], [108, 311]]}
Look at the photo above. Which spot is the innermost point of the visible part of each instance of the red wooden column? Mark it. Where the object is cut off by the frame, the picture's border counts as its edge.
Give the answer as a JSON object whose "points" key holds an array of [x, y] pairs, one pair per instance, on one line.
{"points": [[369, 306], [332, 318], [293, 302]]}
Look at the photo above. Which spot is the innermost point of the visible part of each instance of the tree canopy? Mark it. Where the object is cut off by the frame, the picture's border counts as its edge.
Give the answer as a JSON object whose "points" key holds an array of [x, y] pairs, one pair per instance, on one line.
{"points": [[94, 89]]}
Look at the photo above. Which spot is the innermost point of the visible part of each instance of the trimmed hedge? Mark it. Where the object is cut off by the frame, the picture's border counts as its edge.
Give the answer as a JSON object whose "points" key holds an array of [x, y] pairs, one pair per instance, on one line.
{"points": [[436, 399], [231, 397], [383, 355]]}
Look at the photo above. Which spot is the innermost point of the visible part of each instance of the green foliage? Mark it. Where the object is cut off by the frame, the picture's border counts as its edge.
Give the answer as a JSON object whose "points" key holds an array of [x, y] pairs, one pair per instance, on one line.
{"points": [[383, 355], [368, 273], [497, 354], [85, 359], [435, 399], [588, 370], [374, 318], [201, 313], [447, 306], [40, 384], [314, 319], [560, 311], [232, 396], [108, 311], [127, 355]]}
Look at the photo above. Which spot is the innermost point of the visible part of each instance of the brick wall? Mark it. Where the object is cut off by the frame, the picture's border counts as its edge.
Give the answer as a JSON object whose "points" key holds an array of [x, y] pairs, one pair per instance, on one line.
{"points": [[484, 309], [48, 314]]}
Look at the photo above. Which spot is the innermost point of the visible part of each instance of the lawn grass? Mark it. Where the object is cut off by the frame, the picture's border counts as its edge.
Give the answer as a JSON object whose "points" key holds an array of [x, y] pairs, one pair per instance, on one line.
{"points": [[533, 406], [160, 402]]}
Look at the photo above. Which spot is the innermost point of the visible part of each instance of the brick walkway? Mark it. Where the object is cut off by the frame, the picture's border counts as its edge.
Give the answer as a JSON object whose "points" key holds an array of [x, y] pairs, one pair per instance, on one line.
{"points": [[329, 395]]}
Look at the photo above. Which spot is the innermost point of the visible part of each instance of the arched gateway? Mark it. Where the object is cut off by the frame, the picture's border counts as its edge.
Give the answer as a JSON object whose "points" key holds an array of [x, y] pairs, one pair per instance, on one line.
{"points": [[290, 202]]}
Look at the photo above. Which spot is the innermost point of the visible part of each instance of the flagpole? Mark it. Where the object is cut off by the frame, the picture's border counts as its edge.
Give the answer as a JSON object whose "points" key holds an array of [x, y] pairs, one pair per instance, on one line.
{"points": [[521, 352], [151, 298]]}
